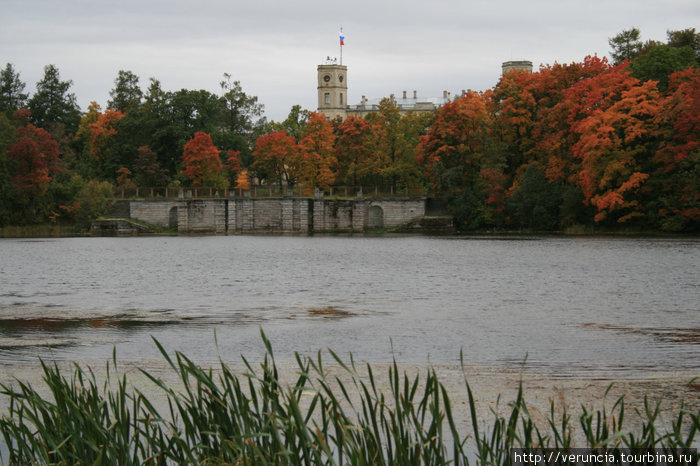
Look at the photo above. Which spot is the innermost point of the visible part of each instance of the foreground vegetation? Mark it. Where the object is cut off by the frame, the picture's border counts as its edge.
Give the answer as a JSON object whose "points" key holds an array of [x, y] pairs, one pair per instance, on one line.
{"points": [[254, 418]]}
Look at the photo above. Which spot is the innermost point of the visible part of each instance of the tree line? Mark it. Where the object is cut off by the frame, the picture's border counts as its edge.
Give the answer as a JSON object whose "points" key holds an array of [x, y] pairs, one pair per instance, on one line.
{"points": [[591, 144]]}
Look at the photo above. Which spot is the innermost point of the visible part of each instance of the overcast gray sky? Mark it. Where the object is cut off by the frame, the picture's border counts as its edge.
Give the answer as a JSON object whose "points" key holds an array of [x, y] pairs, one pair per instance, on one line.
{"points": [[273, 46]]}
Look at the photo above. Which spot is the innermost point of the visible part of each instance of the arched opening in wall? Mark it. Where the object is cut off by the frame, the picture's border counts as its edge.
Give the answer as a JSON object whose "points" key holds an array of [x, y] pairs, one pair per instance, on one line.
{"points": [[375, 217], [172, 223]]}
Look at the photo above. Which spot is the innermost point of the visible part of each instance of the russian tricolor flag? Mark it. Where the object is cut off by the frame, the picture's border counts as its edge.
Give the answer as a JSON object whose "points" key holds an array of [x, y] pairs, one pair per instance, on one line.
{"points": [[342, 37]]}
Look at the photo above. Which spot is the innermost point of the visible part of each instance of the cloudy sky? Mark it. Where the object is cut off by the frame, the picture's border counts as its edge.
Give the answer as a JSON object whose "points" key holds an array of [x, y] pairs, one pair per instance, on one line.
{"points": [[273, 46]]}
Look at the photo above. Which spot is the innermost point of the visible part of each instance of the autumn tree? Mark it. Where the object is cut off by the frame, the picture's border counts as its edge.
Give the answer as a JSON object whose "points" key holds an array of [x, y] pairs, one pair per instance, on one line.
{"points": [[293, 125], [455, 153], [676, 177], [95, 131], [615, 134], [35, 156], [317, 154], [201, 162], [243, 181], [533, 114], [232, 166], [452, 149], [276, 155], [397, 136], [124, 178], [358, 151]]}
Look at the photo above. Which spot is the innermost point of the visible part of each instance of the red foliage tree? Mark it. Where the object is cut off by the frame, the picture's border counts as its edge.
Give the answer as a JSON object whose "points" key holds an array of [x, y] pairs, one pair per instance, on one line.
{"points": [[36, 157], [678, 157], [232, 166], [201, 159], [275, 155]]}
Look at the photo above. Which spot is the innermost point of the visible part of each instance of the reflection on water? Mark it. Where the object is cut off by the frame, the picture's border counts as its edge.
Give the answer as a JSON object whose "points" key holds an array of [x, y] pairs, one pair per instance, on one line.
{"points": [[562, 305]]}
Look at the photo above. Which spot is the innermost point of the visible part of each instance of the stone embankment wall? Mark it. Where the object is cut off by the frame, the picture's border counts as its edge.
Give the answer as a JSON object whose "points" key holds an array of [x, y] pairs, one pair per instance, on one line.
{"points": [[284, 215]]}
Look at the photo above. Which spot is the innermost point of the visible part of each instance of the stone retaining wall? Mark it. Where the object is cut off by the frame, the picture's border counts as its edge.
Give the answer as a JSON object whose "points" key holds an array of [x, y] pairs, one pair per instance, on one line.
{"points": [[285, 215]]}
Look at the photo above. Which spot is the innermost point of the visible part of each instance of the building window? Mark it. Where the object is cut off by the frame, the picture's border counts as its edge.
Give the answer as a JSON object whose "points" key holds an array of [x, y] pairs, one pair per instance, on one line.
{"points": [[327, 98], [341, 99]]}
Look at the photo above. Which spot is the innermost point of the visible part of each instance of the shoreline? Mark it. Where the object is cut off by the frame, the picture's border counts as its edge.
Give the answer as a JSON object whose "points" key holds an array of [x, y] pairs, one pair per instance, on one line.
{"points": [[50, 231]]}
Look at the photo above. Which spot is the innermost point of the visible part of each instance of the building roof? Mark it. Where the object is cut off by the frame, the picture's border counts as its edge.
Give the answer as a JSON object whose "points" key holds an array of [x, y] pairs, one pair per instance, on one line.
{"points": [[403, 103]]}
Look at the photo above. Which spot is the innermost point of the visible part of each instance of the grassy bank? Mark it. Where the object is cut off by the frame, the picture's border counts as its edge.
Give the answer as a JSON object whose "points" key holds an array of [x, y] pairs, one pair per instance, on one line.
{"points": [[319, 418], [41, 231]]}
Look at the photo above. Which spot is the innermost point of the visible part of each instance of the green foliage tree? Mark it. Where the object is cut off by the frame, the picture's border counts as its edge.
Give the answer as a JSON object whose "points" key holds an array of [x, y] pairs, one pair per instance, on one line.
{"points": [[8, 201], [52, 104], [625, 46], [92, 202], [293, 125], [685, 38], [147, 170], [242, 120], [12, 96], [126, 94], [660, 61], [398, 136], [534, 202]]}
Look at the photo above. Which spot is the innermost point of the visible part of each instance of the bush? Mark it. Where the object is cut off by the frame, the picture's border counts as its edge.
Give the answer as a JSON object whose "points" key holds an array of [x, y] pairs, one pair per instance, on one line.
{"points": [[92, 202]]}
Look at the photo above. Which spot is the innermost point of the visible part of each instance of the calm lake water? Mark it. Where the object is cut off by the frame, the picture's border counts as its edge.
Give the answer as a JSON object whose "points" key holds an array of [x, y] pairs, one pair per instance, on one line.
{"points": [[568, 306]]}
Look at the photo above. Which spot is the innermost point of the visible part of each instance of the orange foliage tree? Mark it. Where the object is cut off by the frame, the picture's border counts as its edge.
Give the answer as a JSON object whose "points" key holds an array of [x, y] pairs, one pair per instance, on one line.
{"points": [[317, 154], [357, 150], [615, 132], [232, 166], [96, 128], [275, 155], [456, 142], [201, 161], [242, 181], [95, 132]]}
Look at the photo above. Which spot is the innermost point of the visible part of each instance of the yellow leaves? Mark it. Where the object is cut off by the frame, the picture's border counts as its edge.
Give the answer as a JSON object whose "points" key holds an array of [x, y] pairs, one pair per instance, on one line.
{"points": [[243, 182]]}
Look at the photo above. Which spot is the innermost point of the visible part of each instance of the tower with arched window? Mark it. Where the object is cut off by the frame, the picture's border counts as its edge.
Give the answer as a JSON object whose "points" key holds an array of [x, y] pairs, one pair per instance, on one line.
{"points": [[332, 89]]}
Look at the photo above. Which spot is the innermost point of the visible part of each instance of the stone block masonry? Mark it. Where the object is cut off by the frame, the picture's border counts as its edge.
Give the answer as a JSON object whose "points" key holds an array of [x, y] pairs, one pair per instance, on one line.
{"points": [[276, 215]]}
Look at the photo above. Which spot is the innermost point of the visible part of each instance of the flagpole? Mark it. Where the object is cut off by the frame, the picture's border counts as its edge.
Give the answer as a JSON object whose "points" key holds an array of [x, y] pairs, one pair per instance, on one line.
{"points": [[341, 45]]}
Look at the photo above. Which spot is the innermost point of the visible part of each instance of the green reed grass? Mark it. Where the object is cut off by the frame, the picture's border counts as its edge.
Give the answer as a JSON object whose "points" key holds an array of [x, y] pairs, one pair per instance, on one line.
{"points": [[218, 417]]}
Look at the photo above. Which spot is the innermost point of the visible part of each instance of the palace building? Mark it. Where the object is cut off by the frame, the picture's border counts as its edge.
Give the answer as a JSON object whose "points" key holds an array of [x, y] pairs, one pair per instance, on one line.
{"points": [[333, 93]]}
